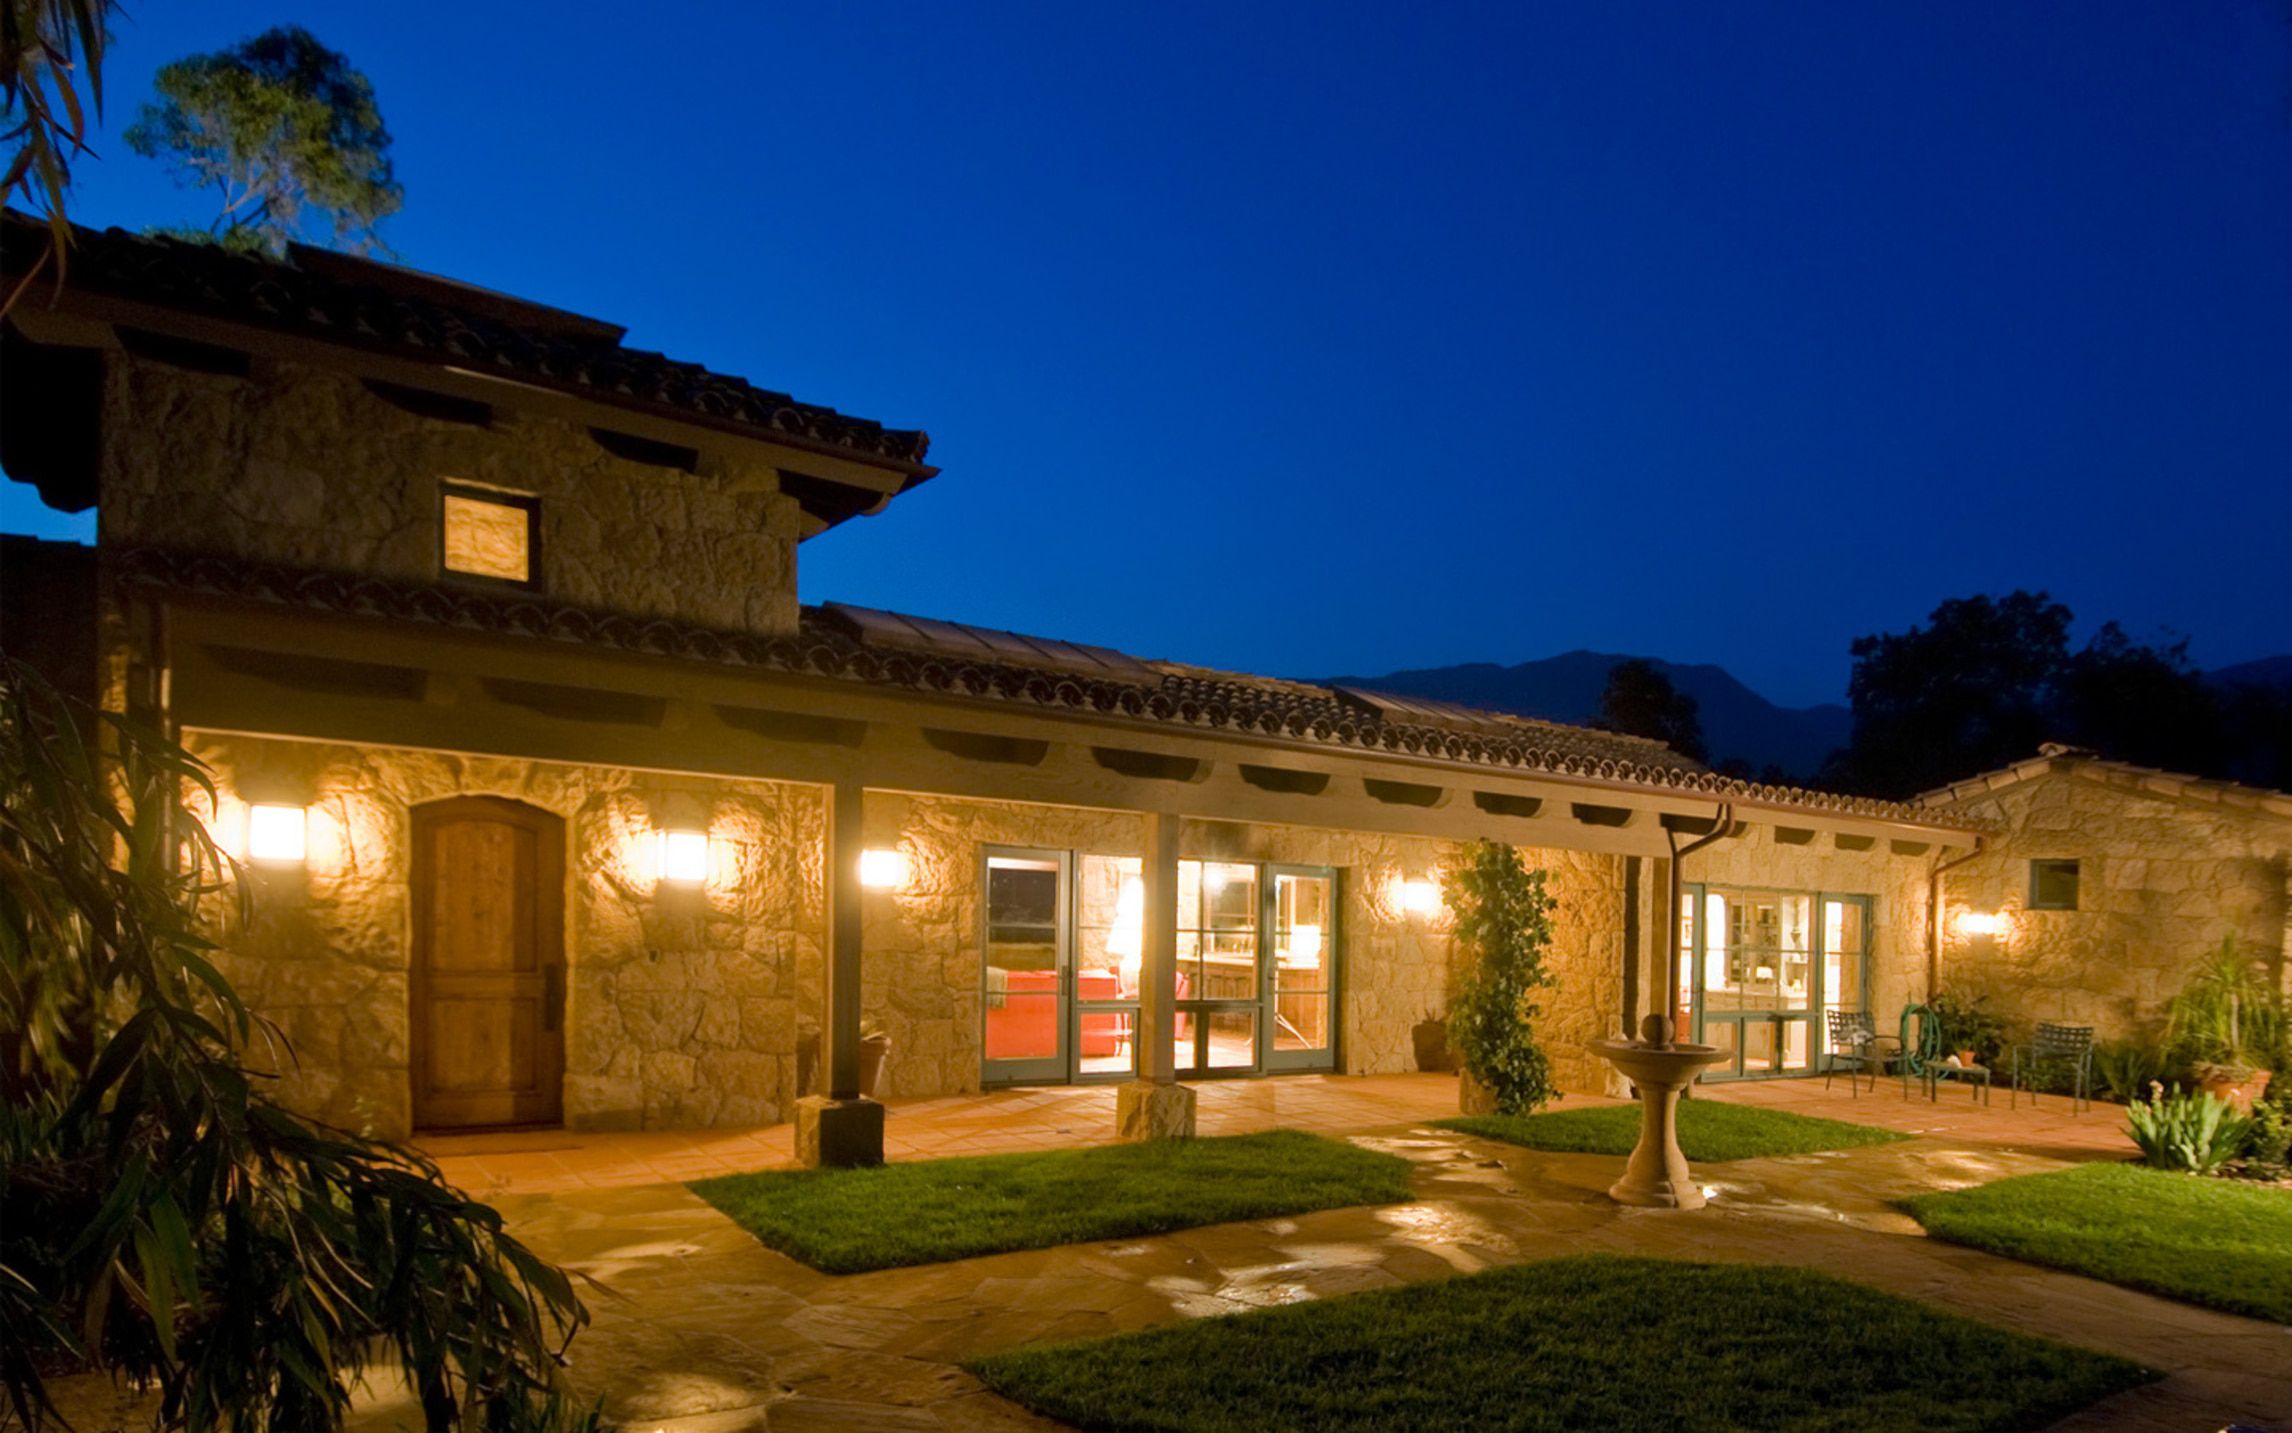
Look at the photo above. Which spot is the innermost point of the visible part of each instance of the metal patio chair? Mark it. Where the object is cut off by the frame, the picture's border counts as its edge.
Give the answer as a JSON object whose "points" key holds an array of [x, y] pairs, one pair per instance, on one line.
{"points": [[2058, 1044], [1856, 1043]]}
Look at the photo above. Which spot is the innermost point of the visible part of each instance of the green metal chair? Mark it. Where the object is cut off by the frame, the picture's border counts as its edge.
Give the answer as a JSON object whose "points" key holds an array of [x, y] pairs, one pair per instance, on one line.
{"points": [[1856, 1044], [2070, 1045]]}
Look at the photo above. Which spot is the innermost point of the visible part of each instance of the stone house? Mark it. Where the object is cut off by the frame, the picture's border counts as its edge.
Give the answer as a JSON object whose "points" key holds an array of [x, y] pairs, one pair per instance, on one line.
{"points": [[2103, 884], [563, 809]]}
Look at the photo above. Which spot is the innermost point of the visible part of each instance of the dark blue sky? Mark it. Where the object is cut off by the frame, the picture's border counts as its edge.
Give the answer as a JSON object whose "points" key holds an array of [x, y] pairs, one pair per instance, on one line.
{"points": [[1316, 338]]}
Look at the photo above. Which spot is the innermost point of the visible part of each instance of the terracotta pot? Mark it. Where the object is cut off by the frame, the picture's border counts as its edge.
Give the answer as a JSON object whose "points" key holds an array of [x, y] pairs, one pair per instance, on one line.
{"points": [[2239, 1094], [1966, 1057], [1430, 1037]]}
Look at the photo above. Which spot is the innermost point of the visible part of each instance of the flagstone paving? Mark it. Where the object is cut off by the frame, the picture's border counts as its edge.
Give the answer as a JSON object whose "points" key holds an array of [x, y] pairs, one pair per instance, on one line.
{"points": [[699, 1329]]}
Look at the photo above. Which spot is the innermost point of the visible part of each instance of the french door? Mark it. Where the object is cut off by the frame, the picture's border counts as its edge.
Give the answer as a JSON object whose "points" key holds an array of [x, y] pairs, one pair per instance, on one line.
{"points": [[1763, 968], [1063, 943]]}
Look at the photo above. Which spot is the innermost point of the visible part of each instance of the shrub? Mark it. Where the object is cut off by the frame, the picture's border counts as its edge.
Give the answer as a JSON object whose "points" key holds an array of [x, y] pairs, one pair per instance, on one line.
{"points": [[161, 1219], [2124, 1068], [2229, 1017], [2192, 1132], [2270, 1142], [1504, 922]]}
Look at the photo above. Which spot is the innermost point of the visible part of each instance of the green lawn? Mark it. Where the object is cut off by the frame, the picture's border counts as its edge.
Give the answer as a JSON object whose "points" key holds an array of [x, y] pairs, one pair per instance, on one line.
{"points": [[1709, 1131], [850, 1220], [1573, 1344], [2217, 1242]]}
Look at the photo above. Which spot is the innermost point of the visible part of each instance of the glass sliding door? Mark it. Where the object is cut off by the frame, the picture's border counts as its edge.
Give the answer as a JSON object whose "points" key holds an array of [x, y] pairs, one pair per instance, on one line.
{"points": [[1024, 998], [1763, 969], [1300, 1013]]}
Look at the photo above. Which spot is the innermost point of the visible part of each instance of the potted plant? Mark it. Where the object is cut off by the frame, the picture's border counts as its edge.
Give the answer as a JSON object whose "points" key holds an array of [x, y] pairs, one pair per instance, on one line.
{"points": [[2227, 1019], [1964, 1028]]}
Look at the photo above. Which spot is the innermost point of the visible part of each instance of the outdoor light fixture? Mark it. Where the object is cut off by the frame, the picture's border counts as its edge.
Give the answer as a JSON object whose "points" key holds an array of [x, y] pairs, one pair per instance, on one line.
{"points": [[681, 857], [883, 870], [1977, 923], [1420, 898], [277, 834]]}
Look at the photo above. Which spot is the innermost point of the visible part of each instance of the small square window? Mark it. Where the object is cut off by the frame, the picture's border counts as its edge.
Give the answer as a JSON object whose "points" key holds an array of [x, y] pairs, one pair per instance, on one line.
{"points": [[490, 535], [2053, 885]]}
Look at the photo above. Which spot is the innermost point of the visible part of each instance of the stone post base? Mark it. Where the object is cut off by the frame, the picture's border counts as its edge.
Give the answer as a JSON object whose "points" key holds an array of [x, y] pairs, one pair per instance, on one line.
{"points": [[1145, 1110], [838, 1134]]}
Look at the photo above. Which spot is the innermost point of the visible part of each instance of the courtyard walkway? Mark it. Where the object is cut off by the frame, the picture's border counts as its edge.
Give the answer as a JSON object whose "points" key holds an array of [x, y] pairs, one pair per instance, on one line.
{"points": [[700, 1329], [1010, 1121]]}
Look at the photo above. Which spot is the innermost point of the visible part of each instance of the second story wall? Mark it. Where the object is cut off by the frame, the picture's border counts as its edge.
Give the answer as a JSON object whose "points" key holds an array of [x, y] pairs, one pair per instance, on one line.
{"points": [[307, 467]]}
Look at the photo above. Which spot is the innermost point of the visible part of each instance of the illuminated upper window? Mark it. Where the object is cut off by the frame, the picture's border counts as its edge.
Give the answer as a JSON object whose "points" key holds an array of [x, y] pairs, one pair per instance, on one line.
{"points": [[490, 534]]}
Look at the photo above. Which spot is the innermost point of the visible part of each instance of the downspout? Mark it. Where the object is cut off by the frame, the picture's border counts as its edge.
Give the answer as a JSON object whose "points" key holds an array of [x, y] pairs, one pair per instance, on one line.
{"points": [[1934, 915], [1721, 824]]}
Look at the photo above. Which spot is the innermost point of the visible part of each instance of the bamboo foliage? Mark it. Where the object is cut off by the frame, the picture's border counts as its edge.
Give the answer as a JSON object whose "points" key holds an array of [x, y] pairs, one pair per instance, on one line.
{"points": [[162, 1219]]}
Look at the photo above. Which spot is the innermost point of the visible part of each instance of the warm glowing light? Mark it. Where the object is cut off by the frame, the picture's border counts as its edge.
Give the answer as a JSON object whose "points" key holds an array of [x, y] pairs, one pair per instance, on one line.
{"points": [[1420, 898], [1126, 939], [681, 857], [277, 833], [1305, 945], [883, 870], [1980, 923]]}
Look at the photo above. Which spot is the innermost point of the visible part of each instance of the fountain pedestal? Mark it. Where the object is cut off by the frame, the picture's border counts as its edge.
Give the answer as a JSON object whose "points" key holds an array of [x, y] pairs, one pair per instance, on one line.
{"points": [[1656, 1176]]}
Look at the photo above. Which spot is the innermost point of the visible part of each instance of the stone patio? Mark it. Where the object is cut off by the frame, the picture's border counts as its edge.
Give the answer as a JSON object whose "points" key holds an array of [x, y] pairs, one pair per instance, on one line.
{"points": [[699, 1329]]}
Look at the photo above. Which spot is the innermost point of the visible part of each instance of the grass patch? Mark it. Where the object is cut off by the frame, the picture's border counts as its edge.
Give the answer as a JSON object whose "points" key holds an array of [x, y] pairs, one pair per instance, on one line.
{"points": [[1572, 1344], [2222, 1243], [1710, 1131], [850, 1220]]}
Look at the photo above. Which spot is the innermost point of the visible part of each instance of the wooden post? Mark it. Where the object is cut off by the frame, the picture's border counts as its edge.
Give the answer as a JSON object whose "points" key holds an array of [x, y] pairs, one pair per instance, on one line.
{"points": [[841, 1128], [841, 1034]]}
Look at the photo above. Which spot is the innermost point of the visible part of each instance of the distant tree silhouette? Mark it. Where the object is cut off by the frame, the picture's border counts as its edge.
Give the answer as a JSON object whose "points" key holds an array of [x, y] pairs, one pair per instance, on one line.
{"points": [[1989, 679], [1641, 701]]}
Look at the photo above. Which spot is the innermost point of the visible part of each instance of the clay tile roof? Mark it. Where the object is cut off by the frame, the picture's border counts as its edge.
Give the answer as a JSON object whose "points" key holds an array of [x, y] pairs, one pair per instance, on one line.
{"points": [[340, 298], [826, 645]]}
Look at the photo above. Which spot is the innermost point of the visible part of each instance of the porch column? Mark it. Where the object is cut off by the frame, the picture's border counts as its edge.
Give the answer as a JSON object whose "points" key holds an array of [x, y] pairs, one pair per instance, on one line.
{"points": [[842, 1127], [1155, 1105]]}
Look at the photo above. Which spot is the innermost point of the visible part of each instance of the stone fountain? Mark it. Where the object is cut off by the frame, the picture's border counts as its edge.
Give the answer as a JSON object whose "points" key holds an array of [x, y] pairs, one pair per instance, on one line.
{"points": [[1657, 1175]]}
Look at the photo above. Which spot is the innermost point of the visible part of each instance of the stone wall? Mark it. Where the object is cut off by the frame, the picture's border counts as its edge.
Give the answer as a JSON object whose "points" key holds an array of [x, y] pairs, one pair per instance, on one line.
{"points": [[922, 970], [682, 1007], [306, 467], [2162, 878]]}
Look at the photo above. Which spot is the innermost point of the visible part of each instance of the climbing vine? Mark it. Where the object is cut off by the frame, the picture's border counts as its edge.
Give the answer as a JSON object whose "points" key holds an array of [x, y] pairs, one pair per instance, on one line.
{"points": [[1504, 925]]}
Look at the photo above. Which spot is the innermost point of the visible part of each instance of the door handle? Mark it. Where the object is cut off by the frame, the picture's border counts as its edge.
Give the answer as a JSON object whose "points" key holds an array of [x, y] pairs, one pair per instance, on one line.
{"points": [[552, 999]]}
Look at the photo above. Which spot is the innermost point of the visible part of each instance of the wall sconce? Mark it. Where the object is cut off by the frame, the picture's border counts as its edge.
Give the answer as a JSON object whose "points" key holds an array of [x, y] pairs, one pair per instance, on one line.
{"points": [[680, 857], [1981, 923], [1420, 897], [883, 870], [278, 835]]}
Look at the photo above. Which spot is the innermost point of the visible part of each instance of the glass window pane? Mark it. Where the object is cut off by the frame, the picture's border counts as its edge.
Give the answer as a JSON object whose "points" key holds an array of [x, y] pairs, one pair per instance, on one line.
{"points": [[1217, 930], [1110, 927], [1796, 1037], [1302, 958], [1758, 1045], [1233, 1039], [1023, 1006], [1842, 955]]}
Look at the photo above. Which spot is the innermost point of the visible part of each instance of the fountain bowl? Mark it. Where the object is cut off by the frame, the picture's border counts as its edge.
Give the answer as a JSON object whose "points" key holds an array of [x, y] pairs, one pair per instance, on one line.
{"points": [[1656, 1175]]}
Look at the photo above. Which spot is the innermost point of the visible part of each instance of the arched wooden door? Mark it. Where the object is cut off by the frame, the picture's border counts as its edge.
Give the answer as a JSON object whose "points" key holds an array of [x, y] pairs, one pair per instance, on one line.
{"points": [[489, 964]]}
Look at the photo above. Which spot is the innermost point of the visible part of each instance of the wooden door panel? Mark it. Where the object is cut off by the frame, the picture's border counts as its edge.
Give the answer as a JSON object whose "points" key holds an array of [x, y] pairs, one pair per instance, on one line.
{"points": [[488, 962]]}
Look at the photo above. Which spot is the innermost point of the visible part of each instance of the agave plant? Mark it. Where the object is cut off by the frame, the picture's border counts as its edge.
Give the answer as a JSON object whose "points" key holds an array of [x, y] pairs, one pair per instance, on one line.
{"points": [[162, 1219], [2192, 1132]]}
